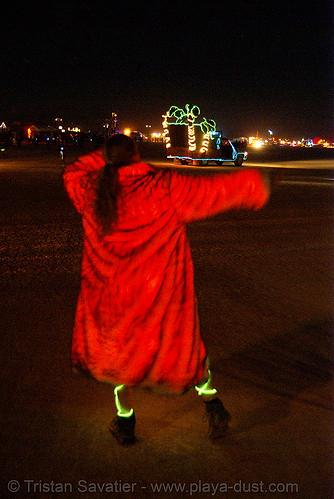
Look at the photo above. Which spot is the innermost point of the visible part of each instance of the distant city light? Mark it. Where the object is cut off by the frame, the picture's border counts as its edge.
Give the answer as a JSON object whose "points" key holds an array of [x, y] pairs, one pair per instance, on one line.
{"points": [[255, 142], [189, 116]]}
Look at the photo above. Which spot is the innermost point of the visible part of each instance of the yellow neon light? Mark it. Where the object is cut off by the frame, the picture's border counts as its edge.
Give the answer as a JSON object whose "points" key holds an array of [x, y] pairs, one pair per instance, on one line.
{"points": [[205, 143], [120, 411], [191, 116], [205, 389], [165, 132]]}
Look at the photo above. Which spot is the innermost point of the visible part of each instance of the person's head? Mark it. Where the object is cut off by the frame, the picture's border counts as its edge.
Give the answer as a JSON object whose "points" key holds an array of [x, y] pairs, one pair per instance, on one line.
{"points": [[119, 150]]}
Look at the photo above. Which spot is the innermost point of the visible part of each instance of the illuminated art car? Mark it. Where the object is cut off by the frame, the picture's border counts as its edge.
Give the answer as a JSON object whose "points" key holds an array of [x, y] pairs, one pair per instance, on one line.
{"points": [[191, 140]]}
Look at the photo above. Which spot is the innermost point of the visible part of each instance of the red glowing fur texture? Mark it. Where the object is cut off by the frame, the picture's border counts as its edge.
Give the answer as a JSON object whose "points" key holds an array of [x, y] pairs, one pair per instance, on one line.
{"points": [[136, 321]]}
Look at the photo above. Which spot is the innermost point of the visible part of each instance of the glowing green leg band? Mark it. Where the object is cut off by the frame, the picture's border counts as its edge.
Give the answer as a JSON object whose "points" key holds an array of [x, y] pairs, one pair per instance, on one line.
{"points": [[204, 389], [120, 410]]}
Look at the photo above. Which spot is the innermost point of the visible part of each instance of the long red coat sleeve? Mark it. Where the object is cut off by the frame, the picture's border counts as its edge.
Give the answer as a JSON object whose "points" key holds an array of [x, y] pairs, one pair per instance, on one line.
{"points": [[136, 321], [197, 197]]}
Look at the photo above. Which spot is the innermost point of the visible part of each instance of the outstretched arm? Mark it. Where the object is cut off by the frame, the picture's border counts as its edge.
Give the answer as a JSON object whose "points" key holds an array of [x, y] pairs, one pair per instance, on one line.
{"points": [[197, 197], [79, 175]]}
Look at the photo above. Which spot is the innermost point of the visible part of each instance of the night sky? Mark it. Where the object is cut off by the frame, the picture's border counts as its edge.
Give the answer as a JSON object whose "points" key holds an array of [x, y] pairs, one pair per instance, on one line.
{"points": [[249, 65]]}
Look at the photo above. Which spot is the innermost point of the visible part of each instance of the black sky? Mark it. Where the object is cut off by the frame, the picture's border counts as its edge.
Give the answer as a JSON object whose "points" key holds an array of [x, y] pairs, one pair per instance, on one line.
{"points": [[250, 65]]}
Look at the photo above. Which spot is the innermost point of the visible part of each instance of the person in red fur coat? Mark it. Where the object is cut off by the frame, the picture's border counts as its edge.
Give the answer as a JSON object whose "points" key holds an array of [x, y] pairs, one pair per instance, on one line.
{"points": [[136, 323]]}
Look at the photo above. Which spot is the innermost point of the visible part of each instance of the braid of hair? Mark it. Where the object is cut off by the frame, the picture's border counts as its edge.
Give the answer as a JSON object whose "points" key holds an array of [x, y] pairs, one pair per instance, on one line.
{"points": [[119, 150], [106, 197]]}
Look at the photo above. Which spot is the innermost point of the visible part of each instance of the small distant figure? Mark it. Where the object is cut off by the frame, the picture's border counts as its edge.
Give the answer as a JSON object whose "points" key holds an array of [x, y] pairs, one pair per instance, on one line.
{"points": [[137, 323], [61, 147], [62, 153]]}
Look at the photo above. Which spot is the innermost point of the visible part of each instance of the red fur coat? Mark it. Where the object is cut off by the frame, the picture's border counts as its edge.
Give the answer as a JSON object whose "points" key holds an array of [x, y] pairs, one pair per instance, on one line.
{"points": [[136, 321]]}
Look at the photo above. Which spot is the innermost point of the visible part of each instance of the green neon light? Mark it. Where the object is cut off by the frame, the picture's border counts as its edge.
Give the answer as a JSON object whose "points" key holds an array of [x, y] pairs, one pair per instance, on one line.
{"points": [[120, 410], [208, 126], [204, 390], [177, 116], [192, 113], [187, 117]]}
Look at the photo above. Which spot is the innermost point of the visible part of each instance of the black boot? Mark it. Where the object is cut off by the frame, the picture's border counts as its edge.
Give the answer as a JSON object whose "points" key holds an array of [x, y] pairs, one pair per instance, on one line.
{"points": [[123, 429], [218, 418]]}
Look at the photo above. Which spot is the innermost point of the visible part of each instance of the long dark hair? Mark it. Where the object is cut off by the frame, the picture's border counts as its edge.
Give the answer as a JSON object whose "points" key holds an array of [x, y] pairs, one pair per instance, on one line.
{"points": [[119, 150]]}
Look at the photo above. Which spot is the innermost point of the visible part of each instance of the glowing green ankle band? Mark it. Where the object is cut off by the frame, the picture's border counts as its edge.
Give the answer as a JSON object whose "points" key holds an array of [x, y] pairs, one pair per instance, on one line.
{"points": [[204, 390], [120, 410]]}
